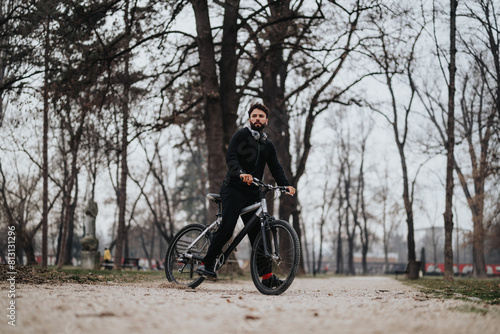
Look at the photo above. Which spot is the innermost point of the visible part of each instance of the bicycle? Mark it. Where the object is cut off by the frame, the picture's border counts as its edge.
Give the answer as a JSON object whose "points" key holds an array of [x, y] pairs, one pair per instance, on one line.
{"points": [[276, 247]]}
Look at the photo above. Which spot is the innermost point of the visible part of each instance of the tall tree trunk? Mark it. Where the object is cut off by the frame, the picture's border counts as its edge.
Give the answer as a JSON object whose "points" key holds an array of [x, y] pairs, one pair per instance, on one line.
{"points": [[478, 246], [122, 194], [211, 97], [152, 252], [321, 237], [126, 248], [121, 238], [27, 244], [67, 204], [71, 227], [385, 236], [476, 205], [364, 228], [412, 257], [450, 146], [340, 252], [74, 144], [60, 229], [228, 70], [45, 166]]}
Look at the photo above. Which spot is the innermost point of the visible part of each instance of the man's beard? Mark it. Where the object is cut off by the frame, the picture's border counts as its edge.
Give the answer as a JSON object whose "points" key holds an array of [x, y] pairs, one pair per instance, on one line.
{"points": [[260, 128]]}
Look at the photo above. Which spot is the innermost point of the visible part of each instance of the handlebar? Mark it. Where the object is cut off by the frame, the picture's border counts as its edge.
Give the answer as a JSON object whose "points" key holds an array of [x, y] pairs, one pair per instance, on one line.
{"points": [[259, 183]]}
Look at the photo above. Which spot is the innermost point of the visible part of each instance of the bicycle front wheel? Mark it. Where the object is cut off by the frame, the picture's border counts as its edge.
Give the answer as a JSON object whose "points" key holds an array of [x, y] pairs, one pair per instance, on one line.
{"points": [[284, 249], [180, 268]]}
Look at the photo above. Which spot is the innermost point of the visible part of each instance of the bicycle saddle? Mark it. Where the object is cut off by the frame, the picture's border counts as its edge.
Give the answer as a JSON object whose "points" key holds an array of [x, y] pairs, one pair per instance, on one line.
{"points": [[214, 197]]}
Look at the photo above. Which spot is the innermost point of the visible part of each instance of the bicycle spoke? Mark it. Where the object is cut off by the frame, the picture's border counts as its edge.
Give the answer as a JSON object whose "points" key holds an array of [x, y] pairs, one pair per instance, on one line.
{"points": [[180, 269], [285, 253]]}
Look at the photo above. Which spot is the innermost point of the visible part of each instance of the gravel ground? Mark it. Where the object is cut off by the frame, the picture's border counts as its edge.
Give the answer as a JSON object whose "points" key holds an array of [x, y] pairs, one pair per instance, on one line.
{"points": [[330, 305]]}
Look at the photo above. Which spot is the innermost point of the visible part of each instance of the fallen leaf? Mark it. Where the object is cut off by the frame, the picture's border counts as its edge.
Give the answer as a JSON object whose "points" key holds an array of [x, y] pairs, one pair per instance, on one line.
{"points": [[251, 317]]}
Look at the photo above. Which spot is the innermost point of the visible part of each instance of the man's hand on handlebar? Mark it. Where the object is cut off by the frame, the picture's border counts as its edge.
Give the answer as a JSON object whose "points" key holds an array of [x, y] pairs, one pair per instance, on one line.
{"points": [[247, 178], [291, 190]]}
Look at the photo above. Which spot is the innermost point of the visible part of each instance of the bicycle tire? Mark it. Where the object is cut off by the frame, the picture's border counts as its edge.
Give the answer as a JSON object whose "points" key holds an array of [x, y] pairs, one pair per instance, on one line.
{"points": [[181, 270], [285, 268]]}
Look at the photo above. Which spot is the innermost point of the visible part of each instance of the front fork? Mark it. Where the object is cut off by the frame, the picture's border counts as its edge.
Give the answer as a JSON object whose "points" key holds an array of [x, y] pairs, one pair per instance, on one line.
{"points": [[264, 227]]}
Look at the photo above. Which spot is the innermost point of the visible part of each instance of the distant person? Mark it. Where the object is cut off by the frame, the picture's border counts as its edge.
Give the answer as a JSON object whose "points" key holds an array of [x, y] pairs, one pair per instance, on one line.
{"points": [[107, 259]]}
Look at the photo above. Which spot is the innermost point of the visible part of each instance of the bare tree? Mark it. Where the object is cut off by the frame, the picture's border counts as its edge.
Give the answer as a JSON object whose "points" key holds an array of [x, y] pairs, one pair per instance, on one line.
{"points": [[18, 208], [450, 146], [341, 212], [68, 204], [390, 216], [365, 234], [161, 204], [393, 51], [45, 168], [476, 124], [211, 94], [476, 127], [328, 197], [349, 183], [19, 204], [481, 111]]}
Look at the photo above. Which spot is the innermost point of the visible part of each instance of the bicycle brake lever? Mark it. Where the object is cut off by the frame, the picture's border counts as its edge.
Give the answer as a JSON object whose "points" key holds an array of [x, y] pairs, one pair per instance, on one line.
{"points": [[257, 182]]}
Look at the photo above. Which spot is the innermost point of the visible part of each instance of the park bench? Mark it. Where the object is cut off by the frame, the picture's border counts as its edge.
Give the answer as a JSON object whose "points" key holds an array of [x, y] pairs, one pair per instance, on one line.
{"points": [[128, 262], [131, 262], [107, 265], [402, 272], [416, 267]]}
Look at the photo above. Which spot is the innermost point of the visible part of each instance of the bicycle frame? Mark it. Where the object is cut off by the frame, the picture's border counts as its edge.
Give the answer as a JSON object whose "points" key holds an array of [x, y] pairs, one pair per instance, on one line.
{"points": [[261, 214]]}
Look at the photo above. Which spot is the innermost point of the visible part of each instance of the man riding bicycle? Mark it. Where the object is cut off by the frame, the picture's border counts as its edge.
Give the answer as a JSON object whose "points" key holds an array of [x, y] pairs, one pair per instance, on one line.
{"points": [[248, 153]]}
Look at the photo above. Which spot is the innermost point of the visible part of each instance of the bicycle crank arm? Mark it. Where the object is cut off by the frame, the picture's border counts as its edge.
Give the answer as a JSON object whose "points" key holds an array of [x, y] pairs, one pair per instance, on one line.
{"points": [[194, 257]]}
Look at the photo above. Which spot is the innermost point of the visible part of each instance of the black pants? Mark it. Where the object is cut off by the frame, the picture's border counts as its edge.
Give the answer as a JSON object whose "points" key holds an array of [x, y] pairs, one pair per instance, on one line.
{"points": [[233, 200]]}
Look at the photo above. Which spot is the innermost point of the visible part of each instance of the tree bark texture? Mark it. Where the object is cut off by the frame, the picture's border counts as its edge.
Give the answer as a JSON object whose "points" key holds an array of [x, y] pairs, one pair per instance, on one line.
{"points": [[408, 203], [450, 146], [74, 144], [67, 219], [213, 120], [228, 70], [45, 167], [122, 194]]}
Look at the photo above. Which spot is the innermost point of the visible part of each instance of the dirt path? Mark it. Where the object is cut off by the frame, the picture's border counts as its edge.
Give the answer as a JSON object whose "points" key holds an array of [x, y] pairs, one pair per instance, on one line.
{"points": [[335, 305]]}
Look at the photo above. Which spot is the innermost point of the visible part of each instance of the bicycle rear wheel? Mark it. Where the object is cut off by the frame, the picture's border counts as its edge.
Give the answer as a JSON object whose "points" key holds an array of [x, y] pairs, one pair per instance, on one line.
{"points": [[284, 248], [179, 268]]}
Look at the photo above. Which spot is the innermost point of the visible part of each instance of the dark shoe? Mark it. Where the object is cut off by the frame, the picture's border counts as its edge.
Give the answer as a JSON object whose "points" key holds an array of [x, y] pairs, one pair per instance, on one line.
{"points": [[272, 282], [207, 271]]}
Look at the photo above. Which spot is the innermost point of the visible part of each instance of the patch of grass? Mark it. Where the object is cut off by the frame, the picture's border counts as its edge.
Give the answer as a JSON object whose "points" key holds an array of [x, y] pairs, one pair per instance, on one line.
{"points": [[471, 309], [69, 274], [119, 276], [484, 291]]}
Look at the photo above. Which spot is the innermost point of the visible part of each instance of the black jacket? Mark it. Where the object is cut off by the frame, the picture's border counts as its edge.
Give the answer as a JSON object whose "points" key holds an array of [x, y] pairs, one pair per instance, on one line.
{"points": [[246, 155]]}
